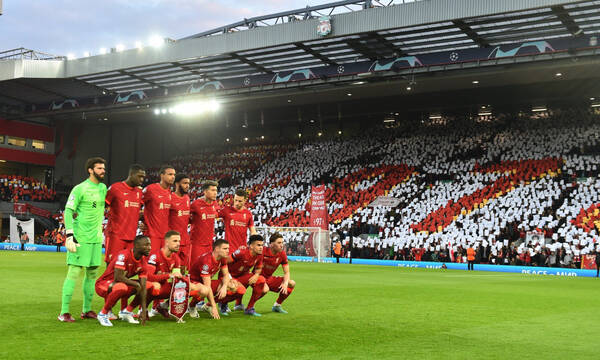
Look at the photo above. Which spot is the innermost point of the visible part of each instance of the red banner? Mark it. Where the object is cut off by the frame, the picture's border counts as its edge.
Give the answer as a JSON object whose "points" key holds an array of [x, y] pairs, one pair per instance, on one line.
{"points": [[318, 216], [588, 262], [178, 301], [38, 211], [19, 208], [318, 208], [22, 208]]}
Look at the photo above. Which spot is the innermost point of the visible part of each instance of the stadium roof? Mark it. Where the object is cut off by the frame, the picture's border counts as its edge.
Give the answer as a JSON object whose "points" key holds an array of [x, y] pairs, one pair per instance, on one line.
{"points": [[361, 30]]}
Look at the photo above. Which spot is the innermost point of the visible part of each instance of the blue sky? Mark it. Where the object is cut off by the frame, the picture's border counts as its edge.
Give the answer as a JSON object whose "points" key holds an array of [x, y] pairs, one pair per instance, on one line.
{"points": [[61, 27]]}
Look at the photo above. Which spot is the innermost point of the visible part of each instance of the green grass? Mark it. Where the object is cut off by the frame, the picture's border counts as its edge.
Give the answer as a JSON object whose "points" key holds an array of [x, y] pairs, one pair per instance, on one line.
{"points": [[336, 312]]}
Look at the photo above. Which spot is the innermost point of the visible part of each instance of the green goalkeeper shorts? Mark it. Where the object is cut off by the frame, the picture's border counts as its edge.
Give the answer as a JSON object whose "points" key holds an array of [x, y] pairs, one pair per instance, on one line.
{"points": [[87, 255]]}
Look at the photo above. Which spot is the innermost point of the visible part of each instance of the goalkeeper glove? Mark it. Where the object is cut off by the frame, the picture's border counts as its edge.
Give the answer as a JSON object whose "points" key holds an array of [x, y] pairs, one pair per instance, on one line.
{"points": [[71, 244]]}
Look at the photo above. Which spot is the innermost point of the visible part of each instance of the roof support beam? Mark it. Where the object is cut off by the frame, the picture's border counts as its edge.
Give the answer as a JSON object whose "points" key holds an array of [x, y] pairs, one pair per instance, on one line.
{"points": [[319, 56], [563, 15], [251, 63], [471, 33], [139, 78]]}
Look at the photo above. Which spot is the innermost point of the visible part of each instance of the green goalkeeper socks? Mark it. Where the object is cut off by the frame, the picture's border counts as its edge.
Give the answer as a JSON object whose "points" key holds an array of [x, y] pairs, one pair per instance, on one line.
{"points": [[89, 281], [68, 287]]}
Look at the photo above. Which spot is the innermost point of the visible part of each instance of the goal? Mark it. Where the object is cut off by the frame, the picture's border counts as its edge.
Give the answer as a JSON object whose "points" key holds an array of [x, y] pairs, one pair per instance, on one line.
{"points": [[309, 242]]}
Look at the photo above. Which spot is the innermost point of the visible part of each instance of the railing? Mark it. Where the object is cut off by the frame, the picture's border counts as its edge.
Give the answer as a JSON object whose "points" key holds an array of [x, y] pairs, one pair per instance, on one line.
{"points": [[27, 54], [309, 12]]}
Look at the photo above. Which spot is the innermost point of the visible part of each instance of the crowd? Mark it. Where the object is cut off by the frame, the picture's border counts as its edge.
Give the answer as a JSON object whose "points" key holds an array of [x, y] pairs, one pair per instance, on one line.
{"points": [[459, 184], [19, 188]]}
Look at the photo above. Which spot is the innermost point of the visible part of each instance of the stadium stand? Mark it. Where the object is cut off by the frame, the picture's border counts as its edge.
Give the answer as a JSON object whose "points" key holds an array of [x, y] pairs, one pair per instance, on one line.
{"points": [[15, 188], [459, 184]]}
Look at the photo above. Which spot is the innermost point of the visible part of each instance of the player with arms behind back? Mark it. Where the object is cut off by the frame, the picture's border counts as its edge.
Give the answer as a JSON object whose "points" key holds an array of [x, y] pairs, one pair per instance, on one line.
{"points": [[123, 200], [157, 202], [179, 217], [205, 211]]}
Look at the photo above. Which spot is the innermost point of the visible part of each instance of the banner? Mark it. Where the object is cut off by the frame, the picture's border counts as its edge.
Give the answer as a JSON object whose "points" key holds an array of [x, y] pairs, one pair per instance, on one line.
{"points": [[178, 301], [39, 211], [21, 231], [318, 216], [385, 201], [588, 262], [534, 237], [318, 208], [20, 208], [32, 247], [529, 270]]}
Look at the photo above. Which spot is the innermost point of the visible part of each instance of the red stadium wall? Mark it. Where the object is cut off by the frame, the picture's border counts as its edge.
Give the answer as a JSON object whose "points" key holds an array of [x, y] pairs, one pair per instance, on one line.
{"points": [[27, 131]]}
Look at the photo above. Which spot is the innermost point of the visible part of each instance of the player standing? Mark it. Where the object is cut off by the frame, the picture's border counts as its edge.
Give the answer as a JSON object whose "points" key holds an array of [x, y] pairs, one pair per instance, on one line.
{"points": [[84, 237], [273, 256], [116, 282], [240, 263], [124, 201], [157, 202], [237, 220], [179, 217], [204, 213]]}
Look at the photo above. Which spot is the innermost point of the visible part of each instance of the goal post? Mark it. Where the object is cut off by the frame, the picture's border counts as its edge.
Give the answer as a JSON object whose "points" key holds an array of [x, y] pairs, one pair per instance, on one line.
{"points": [[310, 242]]}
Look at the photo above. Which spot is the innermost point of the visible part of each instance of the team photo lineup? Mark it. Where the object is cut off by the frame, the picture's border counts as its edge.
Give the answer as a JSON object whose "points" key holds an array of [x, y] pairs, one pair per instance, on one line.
{"points": [[300, 179], [143, 271]]}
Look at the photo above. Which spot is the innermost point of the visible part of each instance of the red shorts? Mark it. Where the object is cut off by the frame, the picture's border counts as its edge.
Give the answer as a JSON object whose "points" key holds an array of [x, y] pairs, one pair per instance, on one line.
{"points": [[274, 282], [198, 250], [114, 244], [246, 277], [214, 284], [184, 255], [165, 290], [102, 287]]}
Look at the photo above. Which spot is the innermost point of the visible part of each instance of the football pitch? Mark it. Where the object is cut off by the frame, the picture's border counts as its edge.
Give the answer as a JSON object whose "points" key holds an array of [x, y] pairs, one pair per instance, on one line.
{"points": [[336, 312]]}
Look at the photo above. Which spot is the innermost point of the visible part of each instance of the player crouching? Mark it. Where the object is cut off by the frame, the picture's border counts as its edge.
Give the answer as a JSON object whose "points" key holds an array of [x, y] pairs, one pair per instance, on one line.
{"points": [[241, 262], [116, 283], [163, 265], [273, 256], [203, 268]]}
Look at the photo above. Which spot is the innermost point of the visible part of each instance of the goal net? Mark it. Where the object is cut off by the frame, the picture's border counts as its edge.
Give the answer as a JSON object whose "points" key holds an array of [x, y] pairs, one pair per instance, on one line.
{"points": [[310, 242]]}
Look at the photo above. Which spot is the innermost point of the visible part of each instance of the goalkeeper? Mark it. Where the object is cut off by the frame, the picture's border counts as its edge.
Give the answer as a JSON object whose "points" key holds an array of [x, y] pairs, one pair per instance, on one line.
{"points": [[83, 216]]}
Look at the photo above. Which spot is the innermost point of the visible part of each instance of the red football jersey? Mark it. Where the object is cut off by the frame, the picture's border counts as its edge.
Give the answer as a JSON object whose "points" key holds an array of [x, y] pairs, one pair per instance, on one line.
{"points": [[157, 202], [179, 216], [125, 261], [243, 262], [124, 203], [203, 222], [159, 266], [206, 265], [237, 224], [271, 261]]}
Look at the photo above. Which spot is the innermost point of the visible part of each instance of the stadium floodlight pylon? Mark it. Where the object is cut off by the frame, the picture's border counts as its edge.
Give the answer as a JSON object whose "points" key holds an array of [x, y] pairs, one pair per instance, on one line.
{"points": [[311, 242]]}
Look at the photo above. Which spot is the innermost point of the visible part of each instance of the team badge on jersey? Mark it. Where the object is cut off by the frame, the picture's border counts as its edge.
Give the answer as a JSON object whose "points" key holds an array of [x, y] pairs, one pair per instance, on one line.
{"points": [[203, 216]]}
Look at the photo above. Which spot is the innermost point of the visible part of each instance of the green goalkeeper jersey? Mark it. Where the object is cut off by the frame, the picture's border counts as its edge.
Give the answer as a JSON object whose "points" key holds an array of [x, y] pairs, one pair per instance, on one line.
{"points": [[87, 200]]}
